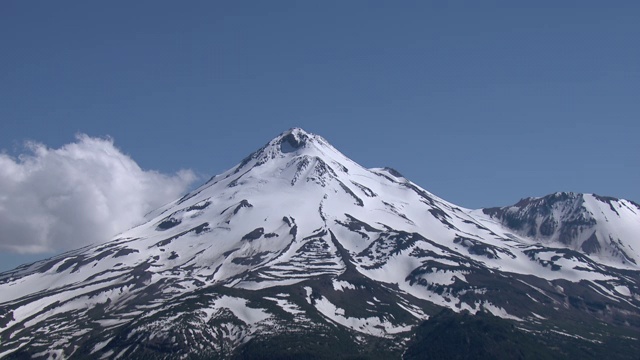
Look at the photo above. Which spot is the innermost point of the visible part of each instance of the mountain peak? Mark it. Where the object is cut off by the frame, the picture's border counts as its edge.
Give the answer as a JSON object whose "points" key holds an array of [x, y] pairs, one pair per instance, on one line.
{"points": [[292, 143], [293, 139], [589, 223]]}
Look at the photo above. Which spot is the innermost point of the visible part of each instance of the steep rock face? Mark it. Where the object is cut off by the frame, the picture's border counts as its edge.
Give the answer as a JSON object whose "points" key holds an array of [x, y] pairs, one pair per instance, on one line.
{"points": [[298, 240]]}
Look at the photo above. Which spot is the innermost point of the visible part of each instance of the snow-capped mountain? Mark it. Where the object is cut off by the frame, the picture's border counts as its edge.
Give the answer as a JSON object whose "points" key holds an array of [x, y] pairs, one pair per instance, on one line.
{"points": [[298, 240]]}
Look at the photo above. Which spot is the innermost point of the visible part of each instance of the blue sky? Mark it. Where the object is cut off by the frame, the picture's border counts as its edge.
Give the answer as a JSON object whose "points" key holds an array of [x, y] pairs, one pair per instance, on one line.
{"points": [[481, 103]]}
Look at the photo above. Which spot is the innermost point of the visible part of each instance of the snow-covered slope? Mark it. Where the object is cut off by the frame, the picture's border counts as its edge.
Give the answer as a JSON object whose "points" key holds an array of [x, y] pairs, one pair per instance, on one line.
{"points": [[300, 238]]}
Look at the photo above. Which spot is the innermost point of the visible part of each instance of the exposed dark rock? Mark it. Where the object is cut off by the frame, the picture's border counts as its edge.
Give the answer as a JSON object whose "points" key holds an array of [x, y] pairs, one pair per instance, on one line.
{"points": [[368, 192], [548, 226], [393, 172], [251, 260], [204, 227], [609, 201], [591, 245], [358, 201], [293, 141], [199, 206], [243, 204], [253, 235], [168, 223], [125, 252]]}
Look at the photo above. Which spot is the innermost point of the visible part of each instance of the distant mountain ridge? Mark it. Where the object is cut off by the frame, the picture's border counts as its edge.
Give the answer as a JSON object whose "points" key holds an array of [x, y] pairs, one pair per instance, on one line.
{"points": [[299, 249]]}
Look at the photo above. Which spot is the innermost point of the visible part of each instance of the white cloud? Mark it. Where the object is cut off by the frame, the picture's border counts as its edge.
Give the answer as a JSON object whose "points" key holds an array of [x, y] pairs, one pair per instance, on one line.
{"points": [[82, 193]]}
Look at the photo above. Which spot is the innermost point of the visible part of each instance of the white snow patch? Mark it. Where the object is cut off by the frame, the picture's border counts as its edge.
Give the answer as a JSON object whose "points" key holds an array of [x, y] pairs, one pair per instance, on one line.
{"points": [[371, 325], [107, 355], [538, 316], [99, 346], [414, 310], [240, 309], [286, 306], [498, 311], [111, 322], [309, 291], [623, 290], [341, 285], [576, 336]]}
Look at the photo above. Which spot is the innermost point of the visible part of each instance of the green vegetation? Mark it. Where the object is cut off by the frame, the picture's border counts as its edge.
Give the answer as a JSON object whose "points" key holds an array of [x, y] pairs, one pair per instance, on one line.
{"points": [[449, 335]]}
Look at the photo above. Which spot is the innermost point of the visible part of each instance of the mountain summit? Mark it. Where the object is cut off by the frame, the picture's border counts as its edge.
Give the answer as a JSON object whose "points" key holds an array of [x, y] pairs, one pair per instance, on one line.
{"points": [[300, 246]]}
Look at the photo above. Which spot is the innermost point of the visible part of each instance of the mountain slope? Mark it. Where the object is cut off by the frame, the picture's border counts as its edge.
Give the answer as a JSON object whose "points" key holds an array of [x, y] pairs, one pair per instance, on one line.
{"points": [[299, 239]]}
